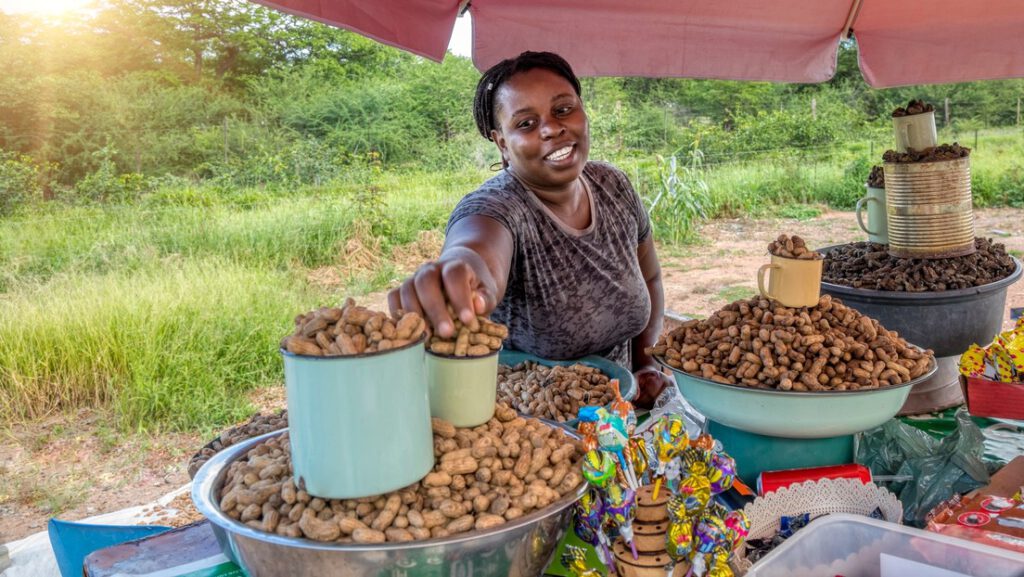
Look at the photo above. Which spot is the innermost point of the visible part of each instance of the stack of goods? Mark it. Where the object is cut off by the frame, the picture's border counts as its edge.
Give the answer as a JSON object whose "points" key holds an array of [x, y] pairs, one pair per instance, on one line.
{"points": [[993, 376], [928, 190], [351, 330], [993, 515], [649, 509]]}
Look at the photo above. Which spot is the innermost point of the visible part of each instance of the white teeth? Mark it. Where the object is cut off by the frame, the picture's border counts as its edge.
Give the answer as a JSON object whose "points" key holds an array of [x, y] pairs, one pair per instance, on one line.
{"points": [[560, 154]]}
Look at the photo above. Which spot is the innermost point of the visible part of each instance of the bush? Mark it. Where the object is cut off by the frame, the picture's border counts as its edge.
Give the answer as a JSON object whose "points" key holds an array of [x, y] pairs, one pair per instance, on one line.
{"points": [[19, 181]]}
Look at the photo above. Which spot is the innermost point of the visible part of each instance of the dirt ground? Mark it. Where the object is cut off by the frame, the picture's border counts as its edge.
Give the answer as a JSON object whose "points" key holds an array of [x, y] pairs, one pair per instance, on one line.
{"points": [[76, 466]]}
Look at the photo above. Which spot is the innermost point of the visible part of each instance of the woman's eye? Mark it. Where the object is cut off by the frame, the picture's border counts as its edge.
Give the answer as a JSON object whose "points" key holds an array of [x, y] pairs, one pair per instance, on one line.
{"points": [[563, 110], [524, 124]]}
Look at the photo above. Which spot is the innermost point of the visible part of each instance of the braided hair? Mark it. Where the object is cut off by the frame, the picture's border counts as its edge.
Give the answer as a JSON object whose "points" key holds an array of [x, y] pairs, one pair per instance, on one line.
{"points": [[487, 87]]}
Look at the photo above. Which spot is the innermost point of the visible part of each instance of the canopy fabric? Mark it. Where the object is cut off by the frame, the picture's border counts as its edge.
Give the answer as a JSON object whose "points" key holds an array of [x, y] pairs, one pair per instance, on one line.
{"points": [[900, 42]]}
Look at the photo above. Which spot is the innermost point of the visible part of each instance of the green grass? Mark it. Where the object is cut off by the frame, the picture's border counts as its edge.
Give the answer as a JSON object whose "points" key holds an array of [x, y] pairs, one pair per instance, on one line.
{"points": [[175, 343], [735, 293]]}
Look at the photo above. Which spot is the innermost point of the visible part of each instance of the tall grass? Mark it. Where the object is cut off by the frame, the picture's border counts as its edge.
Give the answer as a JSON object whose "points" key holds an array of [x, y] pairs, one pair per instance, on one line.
{"points": [[174, 343]]}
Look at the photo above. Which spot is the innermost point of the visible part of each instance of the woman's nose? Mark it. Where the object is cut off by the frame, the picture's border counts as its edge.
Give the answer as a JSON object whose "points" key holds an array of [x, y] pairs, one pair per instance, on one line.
{"points": [[551, 127]]}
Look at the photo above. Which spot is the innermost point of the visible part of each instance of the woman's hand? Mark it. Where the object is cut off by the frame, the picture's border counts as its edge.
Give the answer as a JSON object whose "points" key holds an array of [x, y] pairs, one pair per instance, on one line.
{"points": [[650, 382], [459, 277]]}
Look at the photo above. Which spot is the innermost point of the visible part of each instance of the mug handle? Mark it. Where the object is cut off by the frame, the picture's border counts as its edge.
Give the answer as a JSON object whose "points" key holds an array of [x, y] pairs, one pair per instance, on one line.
{"points": [[903, 136], [860, 213], [760, 279]]}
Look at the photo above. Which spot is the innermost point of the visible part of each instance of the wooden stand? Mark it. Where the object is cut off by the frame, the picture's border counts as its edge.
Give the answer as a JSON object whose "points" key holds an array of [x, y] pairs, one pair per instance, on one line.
{"points": [[647, 565], [649, 510]]}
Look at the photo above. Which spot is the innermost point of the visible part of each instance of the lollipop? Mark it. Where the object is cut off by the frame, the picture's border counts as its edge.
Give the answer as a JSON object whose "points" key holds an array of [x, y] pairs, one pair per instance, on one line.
{"points": [[636, 452], [670, 439], [611, 436], [588, 432], [709, 534], [679, 538], [737, 527], [598, 468], [575, 560], [721, 473], [589, 525], [623, 408], [696, 493], [620, 510], [720, 564], [696, 461]]}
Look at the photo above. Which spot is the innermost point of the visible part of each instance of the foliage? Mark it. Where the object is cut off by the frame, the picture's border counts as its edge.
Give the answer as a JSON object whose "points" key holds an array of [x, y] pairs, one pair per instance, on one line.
{"points": [[19, 181], [683, 199]]}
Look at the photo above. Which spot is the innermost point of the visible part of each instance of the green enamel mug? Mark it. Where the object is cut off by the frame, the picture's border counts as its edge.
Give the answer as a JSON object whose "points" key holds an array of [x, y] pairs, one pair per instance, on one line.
{"points": [[877, 226], [462, 390], [359, 425]]}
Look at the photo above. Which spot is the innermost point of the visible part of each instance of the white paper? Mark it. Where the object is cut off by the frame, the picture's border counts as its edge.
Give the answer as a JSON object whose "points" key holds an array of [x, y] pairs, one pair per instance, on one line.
{"points": [[899, 567]]}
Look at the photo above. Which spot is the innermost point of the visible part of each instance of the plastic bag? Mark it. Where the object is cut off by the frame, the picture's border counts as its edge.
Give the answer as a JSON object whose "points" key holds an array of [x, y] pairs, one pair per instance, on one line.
{"points": [[938, 468]]}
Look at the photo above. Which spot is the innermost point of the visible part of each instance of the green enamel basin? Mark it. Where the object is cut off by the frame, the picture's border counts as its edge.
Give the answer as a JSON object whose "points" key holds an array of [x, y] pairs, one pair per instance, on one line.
{"points": [[793, 414]]}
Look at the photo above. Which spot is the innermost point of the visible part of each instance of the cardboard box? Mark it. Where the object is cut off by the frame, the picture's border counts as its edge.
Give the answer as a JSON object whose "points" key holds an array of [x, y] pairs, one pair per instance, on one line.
{"points": [[988, 515], [986, 398]]}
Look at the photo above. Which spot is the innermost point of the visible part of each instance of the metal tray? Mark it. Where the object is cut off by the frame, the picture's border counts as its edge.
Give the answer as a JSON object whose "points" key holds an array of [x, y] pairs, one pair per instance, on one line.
{"points": [[522, 547]]}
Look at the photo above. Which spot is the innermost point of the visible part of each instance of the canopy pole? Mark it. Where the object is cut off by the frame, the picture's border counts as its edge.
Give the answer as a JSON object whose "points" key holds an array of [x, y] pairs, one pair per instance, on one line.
{"points": [[848, 27]]}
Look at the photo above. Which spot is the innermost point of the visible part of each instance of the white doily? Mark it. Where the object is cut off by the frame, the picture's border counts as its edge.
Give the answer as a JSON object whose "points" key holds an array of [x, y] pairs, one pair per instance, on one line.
{"points": [[822, 497]]}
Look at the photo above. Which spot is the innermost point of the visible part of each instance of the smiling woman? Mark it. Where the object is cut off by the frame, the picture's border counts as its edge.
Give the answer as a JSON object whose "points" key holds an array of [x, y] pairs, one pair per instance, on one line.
{"points": [[42, 6]]}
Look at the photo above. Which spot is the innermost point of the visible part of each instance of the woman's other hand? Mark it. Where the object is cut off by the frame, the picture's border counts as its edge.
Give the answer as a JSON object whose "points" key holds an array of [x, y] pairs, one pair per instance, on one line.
{"points": [[650, 382]]}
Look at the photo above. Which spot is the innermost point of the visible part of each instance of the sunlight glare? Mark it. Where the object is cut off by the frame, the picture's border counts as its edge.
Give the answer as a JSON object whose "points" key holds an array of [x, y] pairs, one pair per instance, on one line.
{"points": [[51, 7]]}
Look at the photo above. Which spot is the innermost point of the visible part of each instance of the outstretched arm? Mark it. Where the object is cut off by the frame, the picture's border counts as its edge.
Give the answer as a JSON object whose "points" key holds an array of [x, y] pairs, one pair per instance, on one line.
{"points": [[471, 274]]}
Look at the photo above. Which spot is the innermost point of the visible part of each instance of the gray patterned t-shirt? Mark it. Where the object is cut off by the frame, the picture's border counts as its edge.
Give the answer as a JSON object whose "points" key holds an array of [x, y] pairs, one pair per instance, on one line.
{"points": [[570, 293]]}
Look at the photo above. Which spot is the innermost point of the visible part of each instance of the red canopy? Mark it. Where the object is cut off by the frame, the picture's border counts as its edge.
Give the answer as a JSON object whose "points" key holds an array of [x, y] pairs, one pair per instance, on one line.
{"points": [[900, 41]]}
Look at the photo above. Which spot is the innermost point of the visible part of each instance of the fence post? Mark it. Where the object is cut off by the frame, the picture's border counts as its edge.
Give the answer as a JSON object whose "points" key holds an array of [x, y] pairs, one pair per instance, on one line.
{"points": [[975, 139], [947, 111], [814, 108], [224, 133]]}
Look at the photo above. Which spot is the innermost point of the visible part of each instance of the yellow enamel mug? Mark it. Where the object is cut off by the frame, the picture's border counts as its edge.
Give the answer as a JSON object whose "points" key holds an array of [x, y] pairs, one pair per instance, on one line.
{"points": [[792, 282]]}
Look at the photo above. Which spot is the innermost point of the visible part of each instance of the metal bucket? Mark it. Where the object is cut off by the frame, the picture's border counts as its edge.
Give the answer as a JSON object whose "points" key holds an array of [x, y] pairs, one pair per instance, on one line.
{"points": [[929, 209], [360, 424]]}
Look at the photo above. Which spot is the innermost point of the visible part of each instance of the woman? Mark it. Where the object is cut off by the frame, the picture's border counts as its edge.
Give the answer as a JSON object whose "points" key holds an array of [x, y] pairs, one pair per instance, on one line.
{"points": [[556, 247]]}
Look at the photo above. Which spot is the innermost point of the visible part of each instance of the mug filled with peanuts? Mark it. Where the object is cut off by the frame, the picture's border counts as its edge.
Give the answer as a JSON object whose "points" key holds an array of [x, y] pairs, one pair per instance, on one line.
{"points": [[345, 368], [794, 274], [462, 371]]}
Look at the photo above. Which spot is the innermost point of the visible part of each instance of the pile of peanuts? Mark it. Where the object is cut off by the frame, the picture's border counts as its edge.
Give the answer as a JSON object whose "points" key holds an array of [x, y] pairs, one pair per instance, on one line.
{"points": [[482, 478], [477, 339], [258, 425], [351, 330], [555, 393], [792, 247], [760, 343]]}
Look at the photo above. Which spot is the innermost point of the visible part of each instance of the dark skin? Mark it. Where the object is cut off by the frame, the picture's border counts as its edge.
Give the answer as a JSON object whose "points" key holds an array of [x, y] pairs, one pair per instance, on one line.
{"points": [[544, 139]]}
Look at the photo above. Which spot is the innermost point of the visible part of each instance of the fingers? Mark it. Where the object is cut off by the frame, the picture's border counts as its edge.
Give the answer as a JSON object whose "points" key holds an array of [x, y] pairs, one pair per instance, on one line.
{"points": [[431, 299], [460, 284]]}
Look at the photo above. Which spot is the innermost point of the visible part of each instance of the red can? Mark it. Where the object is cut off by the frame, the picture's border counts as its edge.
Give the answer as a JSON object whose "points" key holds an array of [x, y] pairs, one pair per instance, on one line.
{"points": [[769, 481]]}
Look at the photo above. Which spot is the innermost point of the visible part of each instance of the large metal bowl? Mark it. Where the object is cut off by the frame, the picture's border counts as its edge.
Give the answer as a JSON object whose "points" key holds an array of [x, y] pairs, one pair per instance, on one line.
{"points": [[793, 414], [522, 547]]}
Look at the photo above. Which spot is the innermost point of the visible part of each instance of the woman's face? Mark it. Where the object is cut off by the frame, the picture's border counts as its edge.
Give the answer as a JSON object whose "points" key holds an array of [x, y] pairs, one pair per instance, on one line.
{"points": [[542, 131]]}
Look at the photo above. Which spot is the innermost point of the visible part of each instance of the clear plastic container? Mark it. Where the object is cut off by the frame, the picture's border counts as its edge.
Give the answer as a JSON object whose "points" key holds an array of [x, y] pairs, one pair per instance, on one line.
{"points": [[855, 546]]}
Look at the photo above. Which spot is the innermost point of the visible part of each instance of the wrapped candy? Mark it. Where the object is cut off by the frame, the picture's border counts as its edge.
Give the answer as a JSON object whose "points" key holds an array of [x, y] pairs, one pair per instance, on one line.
{"points": [[598, 468], [679, 537], [720, 564], [1003, 362], [737, 527], [575, 560], [670, 439], [972, 362], [623, 408], [588, 432], [705, 442], [619, 511], [709, 534], [589, 525], [721, 473], [611, 437], [696, 461], [636, 452], [696, 493]]}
